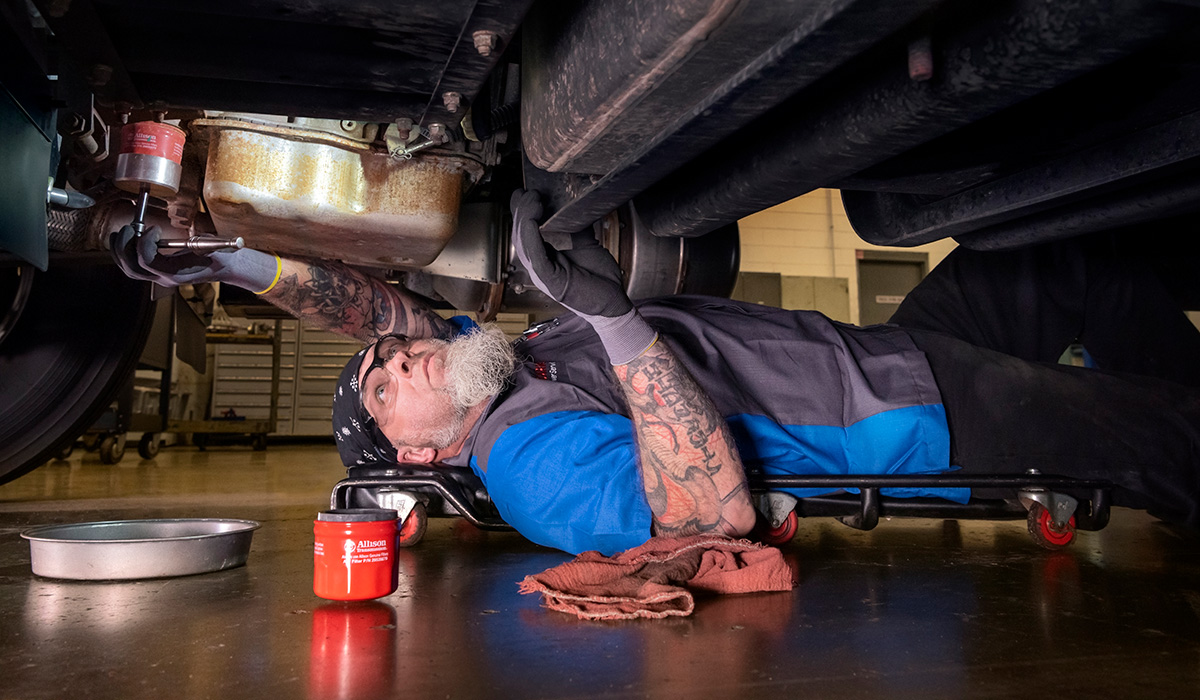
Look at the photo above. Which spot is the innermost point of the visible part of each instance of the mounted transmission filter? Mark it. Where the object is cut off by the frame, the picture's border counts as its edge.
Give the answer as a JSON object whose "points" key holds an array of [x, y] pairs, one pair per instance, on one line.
{"points": [[151, 155], [312, 193]]}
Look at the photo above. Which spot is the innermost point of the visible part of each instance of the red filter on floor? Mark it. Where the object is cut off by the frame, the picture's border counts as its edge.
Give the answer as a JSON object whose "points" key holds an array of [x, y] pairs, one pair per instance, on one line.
{"points": [[354, 554]]}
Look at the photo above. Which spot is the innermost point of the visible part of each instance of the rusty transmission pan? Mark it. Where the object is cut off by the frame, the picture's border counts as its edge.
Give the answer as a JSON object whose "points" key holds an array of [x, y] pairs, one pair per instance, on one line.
{"points": [[301, 192]]}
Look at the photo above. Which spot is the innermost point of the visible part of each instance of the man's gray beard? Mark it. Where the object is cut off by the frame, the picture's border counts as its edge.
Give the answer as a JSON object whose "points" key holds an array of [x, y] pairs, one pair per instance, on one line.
{"points": [[478, 364]]}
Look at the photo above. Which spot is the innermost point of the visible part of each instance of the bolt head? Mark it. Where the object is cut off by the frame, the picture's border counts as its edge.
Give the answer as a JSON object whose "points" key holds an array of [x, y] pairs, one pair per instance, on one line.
{"points": [[485, 42], [452, 101], [404, 127]]}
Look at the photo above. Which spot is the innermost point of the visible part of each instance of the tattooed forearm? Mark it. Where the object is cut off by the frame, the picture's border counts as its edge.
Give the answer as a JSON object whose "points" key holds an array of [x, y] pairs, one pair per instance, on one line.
{"points": [[341, 299], [691, 472]]}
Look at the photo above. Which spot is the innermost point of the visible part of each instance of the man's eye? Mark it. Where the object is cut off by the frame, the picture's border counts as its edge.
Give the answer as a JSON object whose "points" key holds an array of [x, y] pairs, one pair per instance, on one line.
{"points": [[379, 393]]}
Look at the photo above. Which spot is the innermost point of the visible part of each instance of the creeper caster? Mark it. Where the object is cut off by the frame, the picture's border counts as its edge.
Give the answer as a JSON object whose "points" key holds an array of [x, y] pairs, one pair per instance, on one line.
{"points": [[1051, 518], [779, 534], [1045, 532], [413, 528], [777, 519], [414, 517]]}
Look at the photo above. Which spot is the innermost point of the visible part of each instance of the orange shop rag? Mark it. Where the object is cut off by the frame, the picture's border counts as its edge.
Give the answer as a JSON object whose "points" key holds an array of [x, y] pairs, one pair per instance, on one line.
{"points": [[658, 578]]}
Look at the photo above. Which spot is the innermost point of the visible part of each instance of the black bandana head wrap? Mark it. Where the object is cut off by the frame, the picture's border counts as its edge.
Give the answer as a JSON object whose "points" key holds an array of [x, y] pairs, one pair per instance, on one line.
{"points": [[359, 440]]}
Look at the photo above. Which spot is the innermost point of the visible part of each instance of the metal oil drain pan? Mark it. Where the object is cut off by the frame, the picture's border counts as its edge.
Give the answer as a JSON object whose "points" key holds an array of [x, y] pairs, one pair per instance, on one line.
{"points": [[136, 549]]}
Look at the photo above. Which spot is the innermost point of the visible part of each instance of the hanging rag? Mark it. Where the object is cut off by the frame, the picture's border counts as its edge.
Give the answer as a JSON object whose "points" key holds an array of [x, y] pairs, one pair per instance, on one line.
{"points": [[658, 578]]}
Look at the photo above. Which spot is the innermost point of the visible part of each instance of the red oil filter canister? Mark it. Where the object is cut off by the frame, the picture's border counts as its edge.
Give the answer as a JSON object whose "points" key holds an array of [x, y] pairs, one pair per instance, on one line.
{"points": [[354, 553], [151, 156]]}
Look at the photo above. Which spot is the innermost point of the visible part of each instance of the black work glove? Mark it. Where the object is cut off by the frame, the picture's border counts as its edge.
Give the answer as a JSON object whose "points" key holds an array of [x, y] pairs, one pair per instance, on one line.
{"points": [[585, 279], [140, 258]]}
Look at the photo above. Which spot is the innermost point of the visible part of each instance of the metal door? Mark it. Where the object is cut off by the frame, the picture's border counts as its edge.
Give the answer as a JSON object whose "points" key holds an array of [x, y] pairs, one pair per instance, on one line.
{"points": [[884, 278]]}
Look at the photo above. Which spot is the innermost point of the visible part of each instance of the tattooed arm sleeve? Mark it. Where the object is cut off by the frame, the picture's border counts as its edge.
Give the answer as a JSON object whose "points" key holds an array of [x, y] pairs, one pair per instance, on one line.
{"points": [[337, 298], [691, 471]]}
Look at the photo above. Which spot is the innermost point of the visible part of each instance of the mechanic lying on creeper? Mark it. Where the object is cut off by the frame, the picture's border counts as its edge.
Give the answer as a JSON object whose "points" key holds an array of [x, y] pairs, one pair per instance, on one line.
{"points": [[618, 421]]}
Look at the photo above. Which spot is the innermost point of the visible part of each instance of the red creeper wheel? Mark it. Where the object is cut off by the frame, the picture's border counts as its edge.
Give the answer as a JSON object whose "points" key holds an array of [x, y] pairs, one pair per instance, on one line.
{"points": [[1044, 532], [413, 528], [783, 533]]}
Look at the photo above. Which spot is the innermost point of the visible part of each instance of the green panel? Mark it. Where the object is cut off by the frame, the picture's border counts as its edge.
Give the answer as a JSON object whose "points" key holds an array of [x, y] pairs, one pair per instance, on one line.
{"points": [[758, 288], [24, 169]]}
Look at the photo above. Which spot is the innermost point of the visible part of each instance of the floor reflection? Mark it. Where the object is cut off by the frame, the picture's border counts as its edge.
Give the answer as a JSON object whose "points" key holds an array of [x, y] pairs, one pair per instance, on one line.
{"points": [[353, 651]]}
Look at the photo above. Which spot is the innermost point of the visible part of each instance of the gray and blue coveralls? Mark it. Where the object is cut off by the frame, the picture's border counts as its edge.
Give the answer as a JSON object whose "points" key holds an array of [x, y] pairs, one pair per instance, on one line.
{"points": [[806, 395]]}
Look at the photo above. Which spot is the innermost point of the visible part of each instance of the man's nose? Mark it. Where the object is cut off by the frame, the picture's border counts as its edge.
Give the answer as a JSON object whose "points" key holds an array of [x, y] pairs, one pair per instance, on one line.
{"points": [[402, 361]]}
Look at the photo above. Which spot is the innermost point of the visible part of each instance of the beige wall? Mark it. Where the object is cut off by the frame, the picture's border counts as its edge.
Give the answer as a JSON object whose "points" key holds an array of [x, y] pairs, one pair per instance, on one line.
{"points": [[810, 237]]}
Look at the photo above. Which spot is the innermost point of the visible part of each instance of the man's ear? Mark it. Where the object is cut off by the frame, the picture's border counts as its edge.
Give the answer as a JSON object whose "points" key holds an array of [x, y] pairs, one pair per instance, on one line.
{"points": [[416, 455]]}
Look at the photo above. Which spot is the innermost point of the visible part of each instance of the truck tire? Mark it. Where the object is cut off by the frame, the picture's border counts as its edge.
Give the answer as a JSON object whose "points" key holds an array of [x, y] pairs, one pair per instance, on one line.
{"points": [[75, 341]]}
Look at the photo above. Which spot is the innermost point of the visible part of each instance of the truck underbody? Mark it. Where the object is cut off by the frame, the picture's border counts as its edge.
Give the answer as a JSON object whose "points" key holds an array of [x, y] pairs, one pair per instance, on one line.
{"points": [[389, 136]]}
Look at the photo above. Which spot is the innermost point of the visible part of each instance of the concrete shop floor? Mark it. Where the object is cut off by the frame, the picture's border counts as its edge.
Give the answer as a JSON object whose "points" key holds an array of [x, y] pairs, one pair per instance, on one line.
{"points": [[913, 609]]}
